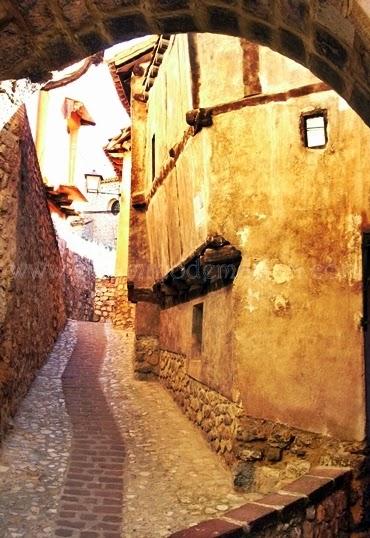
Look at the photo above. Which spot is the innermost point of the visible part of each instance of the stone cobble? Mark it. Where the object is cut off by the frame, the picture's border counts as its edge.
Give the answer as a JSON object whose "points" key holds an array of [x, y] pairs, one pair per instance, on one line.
{"points": [[171, 477], [34, 455]]}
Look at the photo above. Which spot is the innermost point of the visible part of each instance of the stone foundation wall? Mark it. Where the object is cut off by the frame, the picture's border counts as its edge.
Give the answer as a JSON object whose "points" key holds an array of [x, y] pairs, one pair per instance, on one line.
{"points": [[32, 310], [264, 456], [79, 284], [270, 454], [217, 416], [111, 302], [146, 357], [316, 505]]}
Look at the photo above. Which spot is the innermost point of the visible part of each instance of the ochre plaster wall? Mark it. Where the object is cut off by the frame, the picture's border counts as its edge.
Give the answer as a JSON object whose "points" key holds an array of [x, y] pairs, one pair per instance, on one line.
{"points": [[175, 227], [221, 69], [124, 218], [277, 73], [296, 215], [281, 381]]}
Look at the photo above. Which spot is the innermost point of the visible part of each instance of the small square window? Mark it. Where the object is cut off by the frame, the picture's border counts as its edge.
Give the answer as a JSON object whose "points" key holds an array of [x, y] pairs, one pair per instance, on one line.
{"points": [[313, 128]]}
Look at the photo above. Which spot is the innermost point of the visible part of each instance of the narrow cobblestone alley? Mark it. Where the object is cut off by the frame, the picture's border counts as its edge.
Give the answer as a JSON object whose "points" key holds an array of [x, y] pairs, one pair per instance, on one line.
{"points": [[95, 453]]}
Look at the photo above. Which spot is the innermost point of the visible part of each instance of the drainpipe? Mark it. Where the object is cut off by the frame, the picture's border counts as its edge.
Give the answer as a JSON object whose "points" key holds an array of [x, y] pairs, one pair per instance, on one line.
{"points": [[74, 123]]}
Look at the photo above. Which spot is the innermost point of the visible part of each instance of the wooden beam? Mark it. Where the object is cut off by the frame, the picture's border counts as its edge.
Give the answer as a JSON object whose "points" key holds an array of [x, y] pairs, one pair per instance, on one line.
{"points": [[96, 59]]}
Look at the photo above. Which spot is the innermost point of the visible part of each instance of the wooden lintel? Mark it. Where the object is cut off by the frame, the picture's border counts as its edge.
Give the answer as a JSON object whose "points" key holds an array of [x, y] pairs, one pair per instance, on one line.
{"points": [[96, 59]]}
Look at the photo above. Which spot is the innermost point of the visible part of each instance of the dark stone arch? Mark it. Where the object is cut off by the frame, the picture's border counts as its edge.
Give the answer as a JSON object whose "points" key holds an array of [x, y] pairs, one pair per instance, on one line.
{"points": [[330, 37]]}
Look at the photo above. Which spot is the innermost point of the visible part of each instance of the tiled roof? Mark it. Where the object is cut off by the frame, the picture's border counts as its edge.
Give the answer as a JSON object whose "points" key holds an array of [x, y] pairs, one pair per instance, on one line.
{"points": [[123, 64], [117, 147], [60, 199]]}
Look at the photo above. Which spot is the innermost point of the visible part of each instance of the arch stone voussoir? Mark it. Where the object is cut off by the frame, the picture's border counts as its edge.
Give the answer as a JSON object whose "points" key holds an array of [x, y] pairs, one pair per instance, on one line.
{"points": [[331, 37]]}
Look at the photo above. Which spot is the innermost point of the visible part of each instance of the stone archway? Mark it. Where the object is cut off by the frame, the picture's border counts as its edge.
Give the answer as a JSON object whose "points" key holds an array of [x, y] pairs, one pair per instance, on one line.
{"points": [[330, 37]]}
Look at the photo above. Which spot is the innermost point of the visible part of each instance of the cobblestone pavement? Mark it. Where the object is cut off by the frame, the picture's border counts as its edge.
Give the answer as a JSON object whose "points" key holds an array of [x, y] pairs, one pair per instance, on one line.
{"points": [[171, 479], [34, 455], [125, 463]]}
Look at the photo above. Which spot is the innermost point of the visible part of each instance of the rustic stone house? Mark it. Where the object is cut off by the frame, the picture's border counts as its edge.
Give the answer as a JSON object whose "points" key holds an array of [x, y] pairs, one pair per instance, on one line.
{"points": [[249, 209]]}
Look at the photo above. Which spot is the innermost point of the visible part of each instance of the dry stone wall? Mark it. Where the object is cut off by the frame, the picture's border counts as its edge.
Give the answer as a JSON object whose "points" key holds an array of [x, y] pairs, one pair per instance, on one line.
{"points": [[111, 302], [79, 284], [32, 310]]}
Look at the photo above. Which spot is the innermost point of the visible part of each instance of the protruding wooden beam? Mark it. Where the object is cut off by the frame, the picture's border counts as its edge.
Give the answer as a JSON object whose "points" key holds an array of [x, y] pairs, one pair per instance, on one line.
{"points": [[138, 200], [213, 265], [96, 59]]}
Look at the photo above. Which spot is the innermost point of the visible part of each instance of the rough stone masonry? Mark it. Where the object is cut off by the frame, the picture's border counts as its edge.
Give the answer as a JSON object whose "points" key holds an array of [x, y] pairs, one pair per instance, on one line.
{"points": [[111, 302], [32, 310]]}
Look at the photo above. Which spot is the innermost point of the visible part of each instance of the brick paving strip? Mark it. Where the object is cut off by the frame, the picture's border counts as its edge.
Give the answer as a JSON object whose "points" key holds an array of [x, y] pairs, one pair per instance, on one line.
{"points": [[91, 502]]}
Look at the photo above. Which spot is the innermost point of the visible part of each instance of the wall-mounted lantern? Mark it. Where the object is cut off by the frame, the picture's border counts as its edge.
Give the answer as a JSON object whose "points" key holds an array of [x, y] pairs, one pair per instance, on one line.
{"points": [[115, 207], [93, 181]]}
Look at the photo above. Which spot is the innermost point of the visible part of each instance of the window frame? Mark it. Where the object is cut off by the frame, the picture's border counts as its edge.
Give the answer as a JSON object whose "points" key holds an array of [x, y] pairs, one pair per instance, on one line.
{"points": [[194, 367], [154, 157], [319, 112]]}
